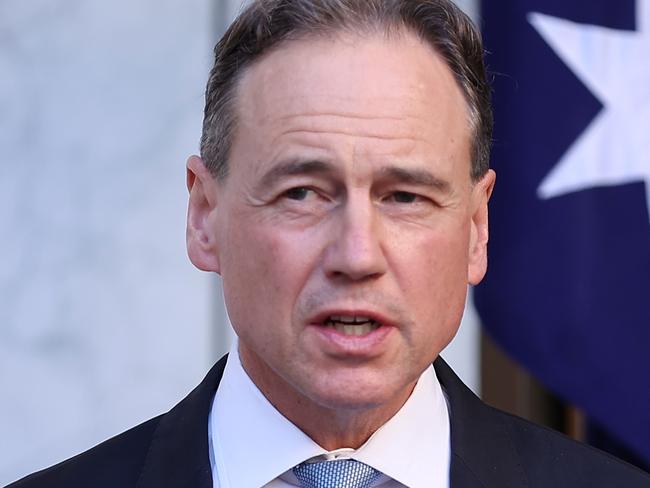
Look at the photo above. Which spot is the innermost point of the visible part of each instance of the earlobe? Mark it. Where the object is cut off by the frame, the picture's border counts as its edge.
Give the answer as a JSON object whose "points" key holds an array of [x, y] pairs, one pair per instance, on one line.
{"points": [[479, 232], [201, 234]]}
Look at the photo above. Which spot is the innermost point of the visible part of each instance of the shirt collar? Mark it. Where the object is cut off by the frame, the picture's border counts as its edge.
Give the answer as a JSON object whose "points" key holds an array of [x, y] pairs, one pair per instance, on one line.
{"points": [[413, 447], [246, 431]]}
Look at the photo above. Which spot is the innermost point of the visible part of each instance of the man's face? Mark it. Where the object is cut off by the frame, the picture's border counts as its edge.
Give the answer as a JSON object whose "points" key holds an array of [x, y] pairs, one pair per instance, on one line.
{"points": [[348, 227]]}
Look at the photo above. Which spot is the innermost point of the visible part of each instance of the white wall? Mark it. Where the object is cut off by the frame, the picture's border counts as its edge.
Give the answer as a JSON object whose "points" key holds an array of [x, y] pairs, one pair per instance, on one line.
{"points": [[103, 320], [471, 7]]}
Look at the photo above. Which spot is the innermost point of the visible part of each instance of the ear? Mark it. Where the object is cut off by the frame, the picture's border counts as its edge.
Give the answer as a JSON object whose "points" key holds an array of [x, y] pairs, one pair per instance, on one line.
{"points": [[477, 265], [201, 234]]}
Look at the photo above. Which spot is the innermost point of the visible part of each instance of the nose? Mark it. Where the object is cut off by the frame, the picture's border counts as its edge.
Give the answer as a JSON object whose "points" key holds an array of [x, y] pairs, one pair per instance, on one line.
{"points": [[356, 251]]}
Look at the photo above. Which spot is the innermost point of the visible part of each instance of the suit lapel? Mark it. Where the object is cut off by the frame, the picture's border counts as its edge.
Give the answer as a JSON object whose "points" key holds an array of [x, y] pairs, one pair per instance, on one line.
{"points": [[179, 451], [482, 450]]}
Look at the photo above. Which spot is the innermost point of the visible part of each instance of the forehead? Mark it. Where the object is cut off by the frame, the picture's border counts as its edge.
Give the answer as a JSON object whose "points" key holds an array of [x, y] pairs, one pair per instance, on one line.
{"points": [[384, 87]]}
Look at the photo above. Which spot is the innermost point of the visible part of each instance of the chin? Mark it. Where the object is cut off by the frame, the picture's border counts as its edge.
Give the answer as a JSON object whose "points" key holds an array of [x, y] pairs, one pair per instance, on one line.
{"points": [[358, 394]]}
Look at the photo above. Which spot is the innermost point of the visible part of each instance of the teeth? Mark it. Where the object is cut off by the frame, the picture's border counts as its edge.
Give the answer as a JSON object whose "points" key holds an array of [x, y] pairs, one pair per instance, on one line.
{"points": [[352, 325], [350, 319], [355, 330]]}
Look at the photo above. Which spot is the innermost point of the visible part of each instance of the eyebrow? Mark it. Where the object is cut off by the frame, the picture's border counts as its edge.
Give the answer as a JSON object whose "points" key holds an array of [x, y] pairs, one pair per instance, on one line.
{"points": [[417, 177], [410, 176], [293, 168]]}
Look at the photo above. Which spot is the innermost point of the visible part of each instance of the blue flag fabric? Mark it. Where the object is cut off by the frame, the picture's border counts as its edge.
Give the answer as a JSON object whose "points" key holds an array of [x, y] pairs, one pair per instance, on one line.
{"points": [[567, 292]]}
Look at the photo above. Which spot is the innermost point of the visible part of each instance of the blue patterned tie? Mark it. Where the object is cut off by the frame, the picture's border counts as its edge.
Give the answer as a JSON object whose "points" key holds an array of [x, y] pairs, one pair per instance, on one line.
{"points": [[340, 473]]}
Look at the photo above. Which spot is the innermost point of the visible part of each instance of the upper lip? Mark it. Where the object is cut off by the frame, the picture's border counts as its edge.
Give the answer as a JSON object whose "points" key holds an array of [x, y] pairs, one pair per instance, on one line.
{"points": [[322, 316]]}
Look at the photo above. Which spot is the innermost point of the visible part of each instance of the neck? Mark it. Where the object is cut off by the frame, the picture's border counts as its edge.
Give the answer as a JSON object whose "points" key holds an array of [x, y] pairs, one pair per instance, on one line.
{"points": [[331, 426], [333, 429]]}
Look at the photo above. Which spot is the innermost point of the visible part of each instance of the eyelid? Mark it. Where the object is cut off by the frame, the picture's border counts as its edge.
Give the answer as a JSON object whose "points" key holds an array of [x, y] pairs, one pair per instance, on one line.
{"points": [[320, 186], [420, 199], [312, 193], [415, 193]]}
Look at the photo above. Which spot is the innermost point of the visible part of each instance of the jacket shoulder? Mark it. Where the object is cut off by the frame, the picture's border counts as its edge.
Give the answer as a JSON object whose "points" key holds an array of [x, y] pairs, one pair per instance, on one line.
{"points": [[115, 462], [550, 458], [491, 448]]}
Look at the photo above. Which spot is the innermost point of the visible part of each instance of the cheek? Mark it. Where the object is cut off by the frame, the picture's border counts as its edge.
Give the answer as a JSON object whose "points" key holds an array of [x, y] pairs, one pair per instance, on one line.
{"points": [[435, 276], [265, 265], [434, 257], [246, 274]]}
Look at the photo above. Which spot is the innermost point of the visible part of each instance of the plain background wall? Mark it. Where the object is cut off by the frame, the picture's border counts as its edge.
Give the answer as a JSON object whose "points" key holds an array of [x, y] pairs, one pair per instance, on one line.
{"points": [[103, 320]]}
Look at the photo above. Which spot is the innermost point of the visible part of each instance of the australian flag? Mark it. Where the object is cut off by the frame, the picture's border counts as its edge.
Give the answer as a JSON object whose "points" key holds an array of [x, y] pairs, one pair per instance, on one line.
{"points": [[567, 292]]}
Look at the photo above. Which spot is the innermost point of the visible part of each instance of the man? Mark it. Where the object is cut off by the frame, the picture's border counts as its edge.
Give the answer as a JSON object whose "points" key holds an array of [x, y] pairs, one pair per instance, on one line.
{"points": [[342, 195]]}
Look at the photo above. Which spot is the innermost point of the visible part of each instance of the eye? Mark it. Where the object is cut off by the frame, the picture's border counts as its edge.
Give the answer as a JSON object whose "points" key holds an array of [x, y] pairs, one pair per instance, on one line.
{"points": [[298, 193], [404, 197]]}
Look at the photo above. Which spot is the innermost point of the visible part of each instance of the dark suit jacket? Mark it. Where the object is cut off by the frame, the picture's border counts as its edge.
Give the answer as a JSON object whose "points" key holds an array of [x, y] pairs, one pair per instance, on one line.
{"points": [[489, 449]]}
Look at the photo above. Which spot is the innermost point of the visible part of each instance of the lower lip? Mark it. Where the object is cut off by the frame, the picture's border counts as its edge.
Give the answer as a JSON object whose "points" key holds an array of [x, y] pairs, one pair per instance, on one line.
{"points": [[339, 344]]}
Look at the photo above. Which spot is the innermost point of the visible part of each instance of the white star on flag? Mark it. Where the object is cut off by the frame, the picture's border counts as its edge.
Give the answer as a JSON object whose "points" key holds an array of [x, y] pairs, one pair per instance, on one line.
{"points": [[615, 66]]}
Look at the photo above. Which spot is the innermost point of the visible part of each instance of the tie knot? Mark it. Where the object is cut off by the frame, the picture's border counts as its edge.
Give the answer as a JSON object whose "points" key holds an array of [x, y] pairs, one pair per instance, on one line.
{"points": [[340, 473]]}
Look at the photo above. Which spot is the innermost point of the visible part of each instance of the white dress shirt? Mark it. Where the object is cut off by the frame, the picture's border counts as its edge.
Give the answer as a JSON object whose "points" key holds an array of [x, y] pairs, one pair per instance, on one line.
{"points": [[252, 445]]}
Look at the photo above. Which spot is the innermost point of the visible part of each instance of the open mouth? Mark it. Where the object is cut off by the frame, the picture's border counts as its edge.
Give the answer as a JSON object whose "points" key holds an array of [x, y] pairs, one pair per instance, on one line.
{"points": [[352, 325]]}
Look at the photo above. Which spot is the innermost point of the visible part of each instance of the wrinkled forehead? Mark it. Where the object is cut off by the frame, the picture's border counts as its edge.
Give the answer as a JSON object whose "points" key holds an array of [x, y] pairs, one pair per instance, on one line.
{"points": [[356, 102], [369, 75]]}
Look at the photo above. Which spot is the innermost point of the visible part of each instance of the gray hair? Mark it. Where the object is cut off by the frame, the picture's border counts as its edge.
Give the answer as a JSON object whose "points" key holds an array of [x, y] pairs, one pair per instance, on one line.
{"points": [[265, 24]]}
